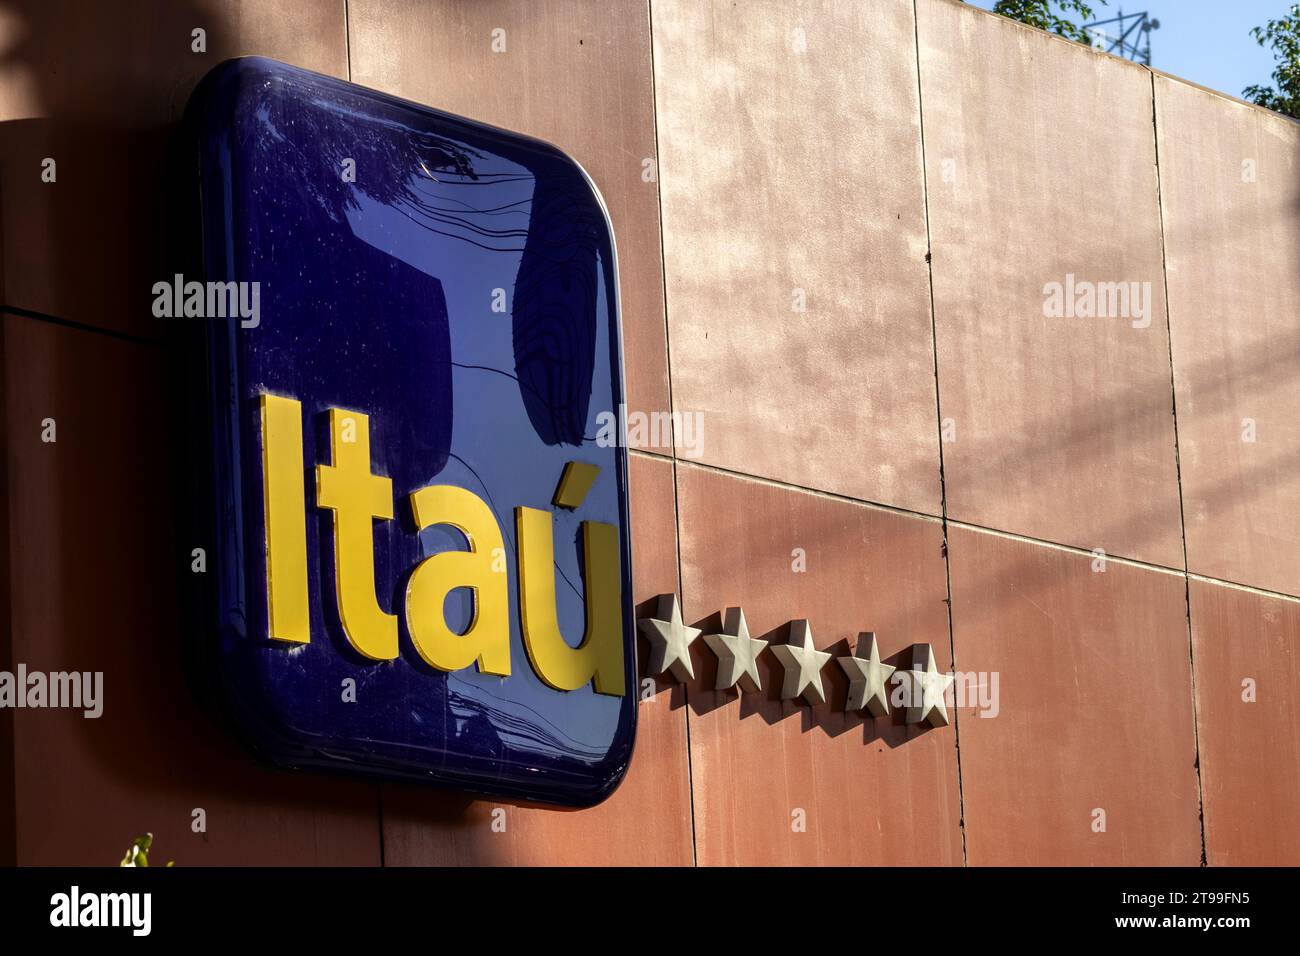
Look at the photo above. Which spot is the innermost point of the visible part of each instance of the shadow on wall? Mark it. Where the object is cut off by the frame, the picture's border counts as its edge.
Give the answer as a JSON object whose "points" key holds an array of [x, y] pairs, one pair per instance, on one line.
{"points": [[96, 554], [830, 717], [100, 89], [98, 538]]}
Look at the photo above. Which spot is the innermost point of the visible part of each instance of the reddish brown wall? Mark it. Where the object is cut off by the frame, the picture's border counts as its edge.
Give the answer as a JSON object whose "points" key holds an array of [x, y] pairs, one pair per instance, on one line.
{"points": [[919, 169]]}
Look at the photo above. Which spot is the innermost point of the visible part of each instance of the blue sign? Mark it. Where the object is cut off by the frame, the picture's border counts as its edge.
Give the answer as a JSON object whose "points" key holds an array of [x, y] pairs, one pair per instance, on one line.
{"points": [[420, 564]]}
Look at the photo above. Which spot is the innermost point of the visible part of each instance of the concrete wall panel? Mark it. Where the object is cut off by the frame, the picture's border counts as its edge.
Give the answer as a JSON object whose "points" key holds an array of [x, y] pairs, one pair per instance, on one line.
{"points": [[1249, 732], [868, 792], [1095, 708], [100, 88], [1230, 186], [1040, 162], [96, 565], [789, 141]]}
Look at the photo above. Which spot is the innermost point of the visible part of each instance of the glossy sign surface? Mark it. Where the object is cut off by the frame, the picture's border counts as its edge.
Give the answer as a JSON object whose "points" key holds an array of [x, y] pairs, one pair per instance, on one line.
{"points": [[450, 289]]}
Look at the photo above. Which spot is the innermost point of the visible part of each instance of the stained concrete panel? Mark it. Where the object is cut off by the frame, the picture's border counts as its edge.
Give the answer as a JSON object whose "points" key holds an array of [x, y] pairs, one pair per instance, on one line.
{"points": [[779, 782], [100, 88], [794, 242], [1230, 189], [1040, 163], [1094, 724], [96, 562], [1247, 648]]}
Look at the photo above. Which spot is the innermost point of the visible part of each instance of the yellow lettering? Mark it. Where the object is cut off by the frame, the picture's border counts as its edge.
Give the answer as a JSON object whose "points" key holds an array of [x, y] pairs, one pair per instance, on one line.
{"points": [[357, 497], [600, 655], [575, 482], [286, 520], [487, 639]]}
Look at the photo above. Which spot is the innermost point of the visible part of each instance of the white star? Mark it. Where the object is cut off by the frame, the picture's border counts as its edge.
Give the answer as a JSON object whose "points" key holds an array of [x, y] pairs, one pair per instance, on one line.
{"points": [[867, 677], [927, 688], [737, 653], [803, 665], [670, 640]]}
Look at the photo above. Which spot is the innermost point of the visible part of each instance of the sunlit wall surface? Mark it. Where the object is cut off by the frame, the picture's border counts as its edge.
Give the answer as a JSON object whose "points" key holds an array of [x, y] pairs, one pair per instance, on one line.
{"points": [[857, 245]]}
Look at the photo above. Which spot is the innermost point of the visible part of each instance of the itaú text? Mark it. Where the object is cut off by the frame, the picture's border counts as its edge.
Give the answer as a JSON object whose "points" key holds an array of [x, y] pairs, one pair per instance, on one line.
{"points": [[357, 497]]}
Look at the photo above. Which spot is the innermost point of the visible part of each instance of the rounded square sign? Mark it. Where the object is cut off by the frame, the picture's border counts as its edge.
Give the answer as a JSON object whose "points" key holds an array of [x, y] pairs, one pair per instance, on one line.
{"points": [[420, 563]]}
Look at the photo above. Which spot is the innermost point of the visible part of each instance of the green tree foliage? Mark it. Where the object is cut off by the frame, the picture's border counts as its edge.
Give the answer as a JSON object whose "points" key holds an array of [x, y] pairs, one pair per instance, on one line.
{"points": [[138, 853], [1051, 15], [1284, 37]]}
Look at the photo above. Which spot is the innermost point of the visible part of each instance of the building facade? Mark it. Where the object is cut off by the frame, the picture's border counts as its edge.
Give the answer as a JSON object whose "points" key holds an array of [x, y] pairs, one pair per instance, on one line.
{"points": [[935, 326]]}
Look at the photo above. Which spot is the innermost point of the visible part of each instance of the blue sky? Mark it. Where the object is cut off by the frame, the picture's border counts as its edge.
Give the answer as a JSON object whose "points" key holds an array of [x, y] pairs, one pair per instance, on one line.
{"points": [[1205, 41]]}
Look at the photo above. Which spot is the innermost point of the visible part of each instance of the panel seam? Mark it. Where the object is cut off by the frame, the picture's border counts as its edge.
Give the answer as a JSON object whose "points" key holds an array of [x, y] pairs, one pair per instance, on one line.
{"points": [[978, 528], [672, 421], [347, 39], [34, 315], [1178, 466], [938, 412]]}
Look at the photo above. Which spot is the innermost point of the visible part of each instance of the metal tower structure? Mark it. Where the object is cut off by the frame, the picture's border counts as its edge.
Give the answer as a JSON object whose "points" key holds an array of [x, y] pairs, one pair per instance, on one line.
{"points": [[1127, 35]]}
